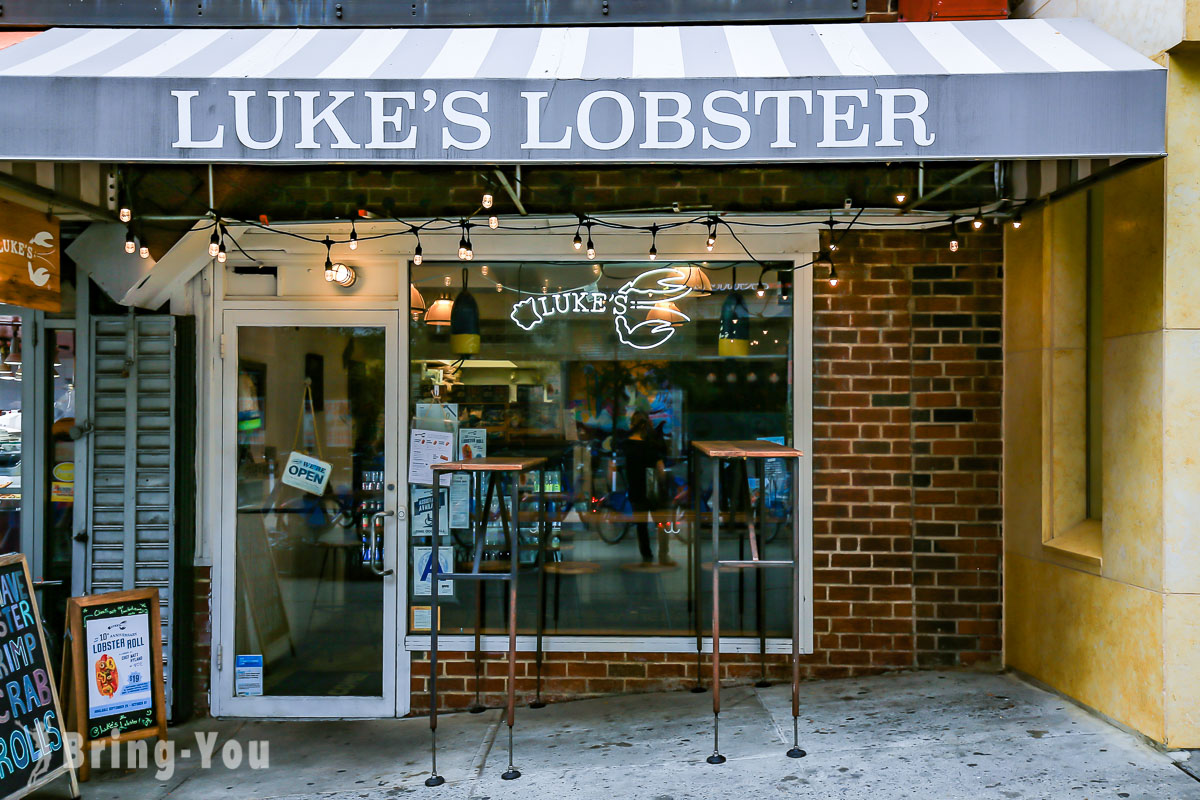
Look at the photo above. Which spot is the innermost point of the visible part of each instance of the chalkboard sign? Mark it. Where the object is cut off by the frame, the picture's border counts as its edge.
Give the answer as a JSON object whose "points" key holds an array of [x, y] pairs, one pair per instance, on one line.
{"points": [[33, 746], [113, 669]]}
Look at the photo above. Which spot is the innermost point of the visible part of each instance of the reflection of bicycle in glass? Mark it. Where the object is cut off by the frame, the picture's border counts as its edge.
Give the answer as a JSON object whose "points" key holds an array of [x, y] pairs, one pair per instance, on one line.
{"points": [[611, 516]]}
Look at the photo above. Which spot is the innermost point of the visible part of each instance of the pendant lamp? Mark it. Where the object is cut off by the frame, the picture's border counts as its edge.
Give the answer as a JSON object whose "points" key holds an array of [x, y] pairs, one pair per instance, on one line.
{"points": [[735, 324], [464, 322], [438, 314], [697, 280], [668, 312], [416, 303]]}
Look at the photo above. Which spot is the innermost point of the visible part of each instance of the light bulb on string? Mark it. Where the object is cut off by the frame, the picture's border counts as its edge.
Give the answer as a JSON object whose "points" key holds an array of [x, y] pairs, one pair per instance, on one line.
{"points": [[487, 200], [711, 241], [418, 257], [126, 214], [954, 241], [493, 222], [130, 244], [353, 236], [591, 248], [653, 245], [144, 251], [833, 276], [214, 241], [1016, 221], [977, 222], [222, 255], [901, 197], [328, 258]]}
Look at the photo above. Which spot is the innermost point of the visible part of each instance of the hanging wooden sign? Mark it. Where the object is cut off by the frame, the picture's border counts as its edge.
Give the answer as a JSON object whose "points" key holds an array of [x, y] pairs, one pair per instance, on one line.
{"points": [[29, 258], [112, 670], [33, 746]]}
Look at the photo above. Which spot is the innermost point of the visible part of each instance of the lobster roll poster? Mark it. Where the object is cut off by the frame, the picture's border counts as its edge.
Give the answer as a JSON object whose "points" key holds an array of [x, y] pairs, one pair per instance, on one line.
{"points": [[119, 667]]}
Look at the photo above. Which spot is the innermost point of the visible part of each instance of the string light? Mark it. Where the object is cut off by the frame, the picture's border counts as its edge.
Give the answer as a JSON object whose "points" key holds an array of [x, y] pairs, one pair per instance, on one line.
{"points": [[1016, 221], [214, 241], [591, 248], [577, 242], [144, 252], [977, 222], [761, 288], [222, 254], [711, 241], [833, 276], [417, 255], [493, 222], [462, 243], [901, 197], [653, 245], [353, 236], [470, 250], [130, 244], [954, 242], [487, 201], [125, 215]]}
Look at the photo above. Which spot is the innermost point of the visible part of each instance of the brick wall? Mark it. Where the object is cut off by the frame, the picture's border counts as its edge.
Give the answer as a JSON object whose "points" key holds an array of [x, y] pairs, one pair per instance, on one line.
{"points": [[906, 409], [202, 641], [882, 11]]}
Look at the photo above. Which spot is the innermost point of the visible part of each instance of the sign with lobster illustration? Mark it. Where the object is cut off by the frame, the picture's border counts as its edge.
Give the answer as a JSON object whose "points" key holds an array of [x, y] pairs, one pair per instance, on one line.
{"points": [[29, 258], [113, 669]]}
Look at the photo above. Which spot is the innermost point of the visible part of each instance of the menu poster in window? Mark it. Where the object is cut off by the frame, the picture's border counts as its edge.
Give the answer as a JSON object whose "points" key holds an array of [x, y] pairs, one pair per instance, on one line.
{"points": [[426, 448], [35, 748], [113, 669], [472, 443]]}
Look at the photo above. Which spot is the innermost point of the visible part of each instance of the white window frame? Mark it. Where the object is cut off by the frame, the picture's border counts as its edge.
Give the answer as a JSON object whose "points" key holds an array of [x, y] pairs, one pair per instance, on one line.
{"points": [[203, 294]]}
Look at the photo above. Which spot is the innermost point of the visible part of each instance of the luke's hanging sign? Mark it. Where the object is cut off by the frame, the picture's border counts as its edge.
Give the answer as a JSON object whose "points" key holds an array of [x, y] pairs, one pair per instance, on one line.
{"points": [[29, 258]]}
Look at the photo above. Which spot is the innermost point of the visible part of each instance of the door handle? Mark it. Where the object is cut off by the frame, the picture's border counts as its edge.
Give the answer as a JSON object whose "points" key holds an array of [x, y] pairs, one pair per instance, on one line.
{"points": [[376, 552]]}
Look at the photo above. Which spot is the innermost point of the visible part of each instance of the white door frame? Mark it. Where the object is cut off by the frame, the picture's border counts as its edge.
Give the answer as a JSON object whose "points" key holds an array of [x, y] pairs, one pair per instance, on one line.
{"points": [[395, 700]]}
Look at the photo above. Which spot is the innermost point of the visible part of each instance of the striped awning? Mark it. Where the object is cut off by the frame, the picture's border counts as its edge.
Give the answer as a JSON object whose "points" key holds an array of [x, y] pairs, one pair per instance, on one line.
{"points": [[985, 89]]}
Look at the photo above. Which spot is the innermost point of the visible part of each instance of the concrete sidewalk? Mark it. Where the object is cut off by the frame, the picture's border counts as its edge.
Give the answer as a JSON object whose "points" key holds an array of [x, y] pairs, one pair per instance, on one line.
{"points": [[909, 735]]}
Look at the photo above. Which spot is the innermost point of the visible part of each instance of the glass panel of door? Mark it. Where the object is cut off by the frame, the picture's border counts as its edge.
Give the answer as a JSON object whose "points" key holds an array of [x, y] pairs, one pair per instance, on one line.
{"points": [[312, 477]]}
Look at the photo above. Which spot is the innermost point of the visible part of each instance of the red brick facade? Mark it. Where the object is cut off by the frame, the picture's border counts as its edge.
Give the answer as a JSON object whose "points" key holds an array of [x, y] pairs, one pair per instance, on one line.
{"points": [[907, 454], [907, 449]]}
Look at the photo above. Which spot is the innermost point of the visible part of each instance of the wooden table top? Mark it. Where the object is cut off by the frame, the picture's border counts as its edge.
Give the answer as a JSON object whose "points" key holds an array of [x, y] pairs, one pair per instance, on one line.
{"points": [[748, 448], [491, 464]]}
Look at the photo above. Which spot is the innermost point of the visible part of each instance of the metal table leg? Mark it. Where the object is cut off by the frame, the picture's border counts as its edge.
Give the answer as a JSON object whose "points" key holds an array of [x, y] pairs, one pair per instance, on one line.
{"points": [[694, 564], [716, 757], [434, 779], [512, 773], [541, 575], [795, 751]]}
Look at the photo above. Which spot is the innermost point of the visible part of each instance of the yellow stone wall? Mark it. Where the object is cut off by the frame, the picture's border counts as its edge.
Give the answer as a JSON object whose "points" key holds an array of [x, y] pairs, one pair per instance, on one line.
{"points": [[1085, 601]]}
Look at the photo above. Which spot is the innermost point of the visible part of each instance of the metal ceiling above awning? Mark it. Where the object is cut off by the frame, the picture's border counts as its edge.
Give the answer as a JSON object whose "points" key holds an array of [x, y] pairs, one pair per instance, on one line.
{"points": [[1010, 89]]}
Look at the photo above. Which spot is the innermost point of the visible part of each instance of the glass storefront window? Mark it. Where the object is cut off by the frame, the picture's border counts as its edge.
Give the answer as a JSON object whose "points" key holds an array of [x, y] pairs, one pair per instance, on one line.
{"points": [[610, 371]]}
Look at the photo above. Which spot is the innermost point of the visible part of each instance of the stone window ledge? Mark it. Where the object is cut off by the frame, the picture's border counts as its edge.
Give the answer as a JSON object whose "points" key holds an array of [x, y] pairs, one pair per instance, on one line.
{"points": [[1082, 543]]}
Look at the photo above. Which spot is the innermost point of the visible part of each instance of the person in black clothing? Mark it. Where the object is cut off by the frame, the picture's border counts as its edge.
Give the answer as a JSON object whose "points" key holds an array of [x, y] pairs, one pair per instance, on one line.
{"points": [[644, 471]]}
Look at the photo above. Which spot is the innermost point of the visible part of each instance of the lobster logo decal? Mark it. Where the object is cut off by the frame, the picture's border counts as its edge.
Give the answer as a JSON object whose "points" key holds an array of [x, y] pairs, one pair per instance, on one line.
{"points": [[651, 295], [644, 310], [40, 247]]}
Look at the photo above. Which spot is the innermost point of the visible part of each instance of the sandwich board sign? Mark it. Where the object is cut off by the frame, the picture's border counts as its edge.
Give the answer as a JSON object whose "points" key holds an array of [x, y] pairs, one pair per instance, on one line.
{"points": [[113, 669], [33, 742]]}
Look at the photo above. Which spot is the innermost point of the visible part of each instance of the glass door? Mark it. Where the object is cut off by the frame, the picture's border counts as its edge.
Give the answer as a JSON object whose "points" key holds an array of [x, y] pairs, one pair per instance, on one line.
{"points": [[310, 579]]}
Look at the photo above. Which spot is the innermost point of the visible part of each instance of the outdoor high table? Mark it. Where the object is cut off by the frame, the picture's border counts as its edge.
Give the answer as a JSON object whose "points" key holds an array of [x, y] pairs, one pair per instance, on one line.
{"points": [[476, 468], [756, 453]]}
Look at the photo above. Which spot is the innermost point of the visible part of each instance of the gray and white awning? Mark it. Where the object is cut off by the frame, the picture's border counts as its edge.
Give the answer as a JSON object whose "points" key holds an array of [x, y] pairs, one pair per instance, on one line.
{"points": [[734, 93]]}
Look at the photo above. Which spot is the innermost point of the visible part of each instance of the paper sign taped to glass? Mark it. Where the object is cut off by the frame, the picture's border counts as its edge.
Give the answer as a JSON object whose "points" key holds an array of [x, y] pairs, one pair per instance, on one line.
{"points": [[306, 473]]}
